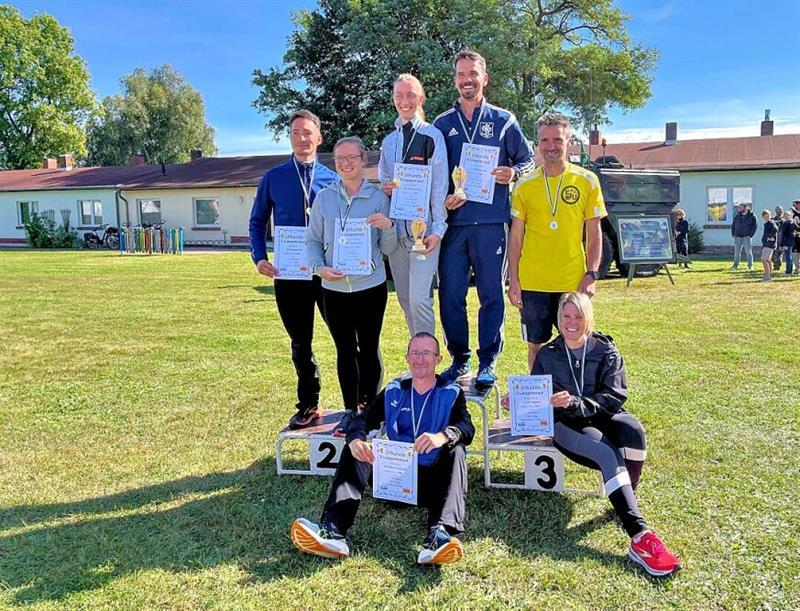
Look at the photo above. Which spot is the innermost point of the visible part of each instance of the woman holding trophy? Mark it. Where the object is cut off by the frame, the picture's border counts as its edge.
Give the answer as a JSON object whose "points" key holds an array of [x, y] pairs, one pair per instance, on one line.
{"points": [[413, 171]]}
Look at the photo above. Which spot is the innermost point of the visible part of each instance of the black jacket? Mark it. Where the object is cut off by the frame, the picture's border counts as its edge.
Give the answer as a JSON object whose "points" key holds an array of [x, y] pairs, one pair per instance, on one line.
{"points": [[787, 230], [770, 235], [744, 225], [681, 230], [605, 384], [372, 417]]}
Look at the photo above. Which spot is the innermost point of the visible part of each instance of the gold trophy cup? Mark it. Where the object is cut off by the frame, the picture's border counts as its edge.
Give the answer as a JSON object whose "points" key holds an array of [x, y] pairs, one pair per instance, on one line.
{"points": [[418, 227], [459, 176]]}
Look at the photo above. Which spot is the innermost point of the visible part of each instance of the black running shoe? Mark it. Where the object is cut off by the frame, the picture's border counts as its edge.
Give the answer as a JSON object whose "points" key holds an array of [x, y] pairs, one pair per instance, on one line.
{"points": [[303, 418], [344, 423]]}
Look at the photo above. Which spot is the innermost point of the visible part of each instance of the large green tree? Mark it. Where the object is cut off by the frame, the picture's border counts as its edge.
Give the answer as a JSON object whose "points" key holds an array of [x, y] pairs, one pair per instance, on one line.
{"points": [[570, 55], [159, 115], [45, 99]]}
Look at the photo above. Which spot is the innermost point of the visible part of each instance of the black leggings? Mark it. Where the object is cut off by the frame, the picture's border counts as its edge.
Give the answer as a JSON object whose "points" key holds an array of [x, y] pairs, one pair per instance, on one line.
{"points": [[355, 321], [616, 447]]}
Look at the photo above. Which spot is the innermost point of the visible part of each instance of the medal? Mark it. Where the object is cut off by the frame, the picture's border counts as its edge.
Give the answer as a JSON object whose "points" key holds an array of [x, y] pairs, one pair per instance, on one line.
{"points": [[308, 211], [307, 188], [554, 225], [553, 202]]}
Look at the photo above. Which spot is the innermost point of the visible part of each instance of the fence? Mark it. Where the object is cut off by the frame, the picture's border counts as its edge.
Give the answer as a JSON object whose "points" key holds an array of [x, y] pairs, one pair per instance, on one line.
{"points": [[151, 240]]}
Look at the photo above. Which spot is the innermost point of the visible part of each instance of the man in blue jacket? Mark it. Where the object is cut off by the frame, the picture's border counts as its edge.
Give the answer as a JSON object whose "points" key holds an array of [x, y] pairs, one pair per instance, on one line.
{"points": [[431, 413], [476, 235], [287, 193]]}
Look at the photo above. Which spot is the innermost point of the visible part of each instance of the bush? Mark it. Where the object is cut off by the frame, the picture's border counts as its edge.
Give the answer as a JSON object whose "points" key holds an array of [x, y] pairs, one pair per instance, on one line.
{"points": [[696, 243], [41, 232]]}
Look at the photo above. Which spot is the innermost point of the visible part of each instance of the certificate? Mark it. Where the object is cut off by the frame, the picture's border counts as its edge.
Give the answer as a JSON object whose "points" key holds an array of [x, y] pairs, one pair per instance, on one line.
{"points": [[529, 399], [411, 199], [479, 160], [291, 257], [394, 474], [352, 248]]}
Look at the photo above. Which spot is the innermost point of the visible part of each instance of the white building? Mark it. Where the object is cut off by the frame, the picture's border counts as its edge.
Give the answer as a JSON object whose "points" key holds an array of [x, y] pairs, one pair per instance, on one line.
{"points": [[719, 173]]}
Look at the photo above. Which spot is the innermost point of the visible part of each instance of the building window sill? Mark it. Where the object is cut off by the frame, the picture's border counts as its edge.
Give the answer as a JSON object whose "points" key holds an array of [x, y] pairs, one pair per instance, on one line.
{"points": [[206, 228], [722, 226]]}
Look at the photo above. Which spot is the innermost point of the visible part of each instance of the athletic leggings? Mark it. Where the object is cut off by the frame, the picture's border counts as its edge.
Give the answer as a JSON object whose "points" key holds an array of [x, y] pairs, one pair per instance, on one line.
{"points": [[617, 448], [355, 321]]}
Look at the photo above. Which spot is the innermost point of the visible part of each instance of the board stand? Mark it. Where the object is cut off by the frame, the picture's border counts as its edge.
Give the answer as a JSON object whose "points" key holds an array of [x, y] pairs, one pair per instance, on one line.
{"points": [[632, 272]]}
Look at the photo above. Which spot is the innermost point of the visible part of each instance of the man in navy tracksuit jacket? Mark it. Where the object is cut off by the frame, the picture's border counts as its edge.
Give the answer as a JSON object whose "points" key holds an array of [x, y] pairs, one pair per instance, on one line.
{"points": [[476, 235], [287, 193]]}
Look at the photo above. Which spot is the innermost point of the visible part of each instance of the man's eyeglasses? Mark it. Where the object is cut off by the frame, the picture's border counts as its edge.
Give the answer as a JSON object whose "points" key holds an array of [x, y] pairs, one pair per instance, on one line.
{"points": [[349, 159], [414, 354]]}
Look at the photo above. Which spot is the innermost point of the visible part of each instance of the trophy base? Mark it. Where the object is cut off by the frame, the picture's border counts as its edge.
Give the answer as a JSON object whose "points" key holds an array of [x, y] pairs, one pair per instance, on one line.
{"points": [[418, 248], [460, 193]]}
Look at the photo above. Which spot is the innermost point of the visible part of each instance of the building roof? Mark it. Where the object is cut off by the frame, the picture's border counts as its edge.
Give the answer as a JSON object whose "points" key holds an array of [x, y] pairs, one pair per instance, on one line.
{"points": [[206, 172], [751, 153]]}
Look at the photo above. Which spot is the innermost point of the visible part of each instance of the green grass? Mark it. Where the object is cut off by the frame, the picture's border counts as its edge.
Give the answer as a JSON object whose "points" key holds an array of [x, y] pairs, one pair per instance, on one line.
{"points": [[140, 399]]}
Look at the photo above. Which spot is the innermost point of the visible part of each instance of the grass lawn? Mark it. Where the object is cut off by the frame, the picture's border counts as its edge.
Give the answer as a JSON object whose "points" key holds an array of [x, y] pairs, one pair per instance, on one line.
{"points": [[140, 399]]}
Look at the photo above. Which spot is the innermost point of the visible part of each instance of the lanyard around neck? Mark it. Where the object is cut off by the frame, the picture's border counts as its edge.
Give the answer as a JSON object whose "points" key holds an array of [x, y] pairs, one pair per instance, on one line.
{"points": [[343, 197], [475, 122], [553, 203], [306, 187], [405, 149], [415, 422], [583, 366]]}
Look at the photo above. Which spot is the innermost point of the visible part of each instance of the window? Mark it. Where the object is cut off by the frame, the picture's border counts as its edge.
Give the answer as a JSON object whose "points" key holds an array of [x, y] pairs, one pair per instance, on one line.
{"points": [[149, 211], [91, 211], [24, 211], [206, 211], [722, 202]]}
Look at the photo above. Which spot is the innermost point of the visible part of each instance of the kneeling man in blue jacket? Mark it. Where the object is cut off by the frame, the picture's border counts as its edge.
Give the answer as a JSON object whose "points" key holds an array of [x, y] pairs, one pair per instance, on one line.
{"points": [[431, 413]]}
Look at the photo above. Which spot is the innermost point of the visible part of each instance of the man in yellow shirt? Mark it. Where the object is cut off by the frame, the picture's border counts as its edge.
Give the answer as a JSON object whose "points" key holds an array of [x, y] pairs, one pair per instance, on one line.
{"points": [[549, 210]]}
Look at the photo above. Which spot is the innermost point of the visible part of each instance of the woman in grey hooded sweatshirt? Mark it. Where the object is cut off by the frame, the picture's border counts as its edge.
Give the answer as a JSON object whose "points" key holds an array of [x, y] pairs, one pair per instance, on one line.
{"points": [[354, 298]]}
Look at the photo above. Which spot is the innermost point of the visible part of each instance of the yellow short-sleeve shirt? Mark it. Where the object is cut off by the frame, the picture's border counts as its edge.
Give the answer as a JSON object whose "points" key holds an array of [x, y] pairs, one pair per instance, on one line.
{"points": [[553, 259]]}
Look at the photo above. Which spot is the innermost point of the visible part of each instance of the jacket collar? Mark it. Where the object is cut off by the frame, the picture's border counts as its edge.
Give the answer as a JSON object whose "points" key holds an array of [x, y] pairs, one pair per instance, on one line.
{"points": [[415, 122]]}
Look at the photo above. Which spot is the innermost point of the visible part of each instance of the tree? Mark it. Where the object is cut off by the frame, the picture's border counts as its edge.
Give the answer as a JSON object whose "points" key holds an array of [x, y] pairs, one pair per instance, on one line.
{"points": [[45, 100], [159, 115], [571, 55]]}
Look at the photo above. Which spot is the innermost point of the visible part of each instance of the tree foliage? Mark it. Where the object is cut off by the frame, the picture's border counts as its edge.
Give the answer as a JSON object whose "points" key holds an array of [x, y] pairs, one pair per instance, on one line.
{"points": [[342, 58], [159, 115], [45, 100]]}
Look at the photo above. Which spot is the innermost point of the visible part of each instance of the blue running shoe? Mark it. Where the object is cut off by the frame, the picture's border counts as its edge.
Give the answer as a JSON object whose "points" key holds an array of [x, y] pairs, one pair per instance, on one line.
{"points": [[318, 539], [486, 376], [455, 371], [440, 548]]}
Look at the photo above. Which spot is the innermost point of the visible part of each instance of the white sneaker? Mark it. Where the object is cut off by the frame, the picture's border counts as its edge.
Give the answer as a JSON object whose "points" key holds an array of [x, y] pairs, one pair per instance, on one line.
{"points": [[316, 539]]}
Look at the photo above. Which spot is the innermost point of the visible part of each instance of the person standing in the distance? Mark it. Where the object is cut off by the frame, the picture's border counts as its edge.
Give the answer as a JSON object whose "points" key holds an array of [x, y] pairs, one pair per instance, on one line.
{"points": [[354, 303], [415, 142], [682, 234], [476, 235], [550, 210], [286, 193], [743, 228]]}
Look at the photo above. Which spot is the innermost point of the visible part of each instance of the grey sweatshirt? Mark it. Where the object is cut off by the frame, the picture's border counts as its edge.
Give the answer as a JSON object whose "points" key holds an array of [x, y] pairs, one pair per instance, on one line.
{"points": [[329, 209]]}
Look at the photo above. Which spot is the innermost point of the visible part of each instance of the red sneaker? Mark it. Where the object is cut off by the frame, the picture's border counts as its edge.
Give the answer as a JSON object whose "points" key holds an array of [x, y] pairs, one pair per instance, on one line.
{"points": [[653, 556]]}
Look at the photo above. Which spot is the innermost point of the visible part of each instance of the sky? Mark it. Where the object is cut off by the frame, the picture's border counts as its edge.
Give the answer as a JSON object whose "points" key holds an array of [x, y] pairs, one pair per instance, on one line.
{"points": [[721, 64]]}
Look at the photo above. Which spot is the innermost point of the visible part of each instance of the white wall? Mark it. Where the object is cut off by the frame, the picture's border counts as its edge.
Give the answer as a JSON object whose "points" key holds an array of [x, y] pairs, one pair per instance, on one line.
{"points": [[770, 188], [177, 209], [51, 200]]}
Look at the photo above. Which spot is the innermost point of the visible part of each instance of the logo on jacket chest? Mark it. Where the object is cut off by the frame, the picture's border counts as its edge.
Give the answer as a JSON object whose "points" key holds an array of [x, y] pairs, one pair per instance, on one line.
{"points": [[486, 130], [570, 194]]}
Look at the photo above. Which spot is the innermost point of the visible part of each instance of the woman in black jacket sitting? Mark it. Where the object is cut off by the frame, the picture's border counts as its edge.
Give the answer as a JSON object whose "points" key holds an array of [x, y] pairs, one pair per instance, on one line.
{"points": [[592, 428]]}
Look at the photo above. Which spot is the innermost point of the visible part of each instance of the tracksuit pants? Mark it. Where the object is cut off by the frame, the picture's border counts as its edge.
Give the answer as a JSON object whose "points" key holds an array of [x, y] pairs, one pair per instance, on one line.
{"points": [[355, 321], [296, 300], [481, 248], [616, 447], [412, 274], [442, 489]]}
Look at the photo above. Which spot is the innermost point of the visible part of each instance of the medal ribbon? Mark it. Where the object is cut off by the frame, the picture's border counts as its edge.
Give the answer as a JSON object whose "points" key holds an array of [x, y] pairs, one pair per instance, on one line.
{"points": [[553, 204], [347, 202], [306, 187], [471, 137], [414, 420], [583, 367]]}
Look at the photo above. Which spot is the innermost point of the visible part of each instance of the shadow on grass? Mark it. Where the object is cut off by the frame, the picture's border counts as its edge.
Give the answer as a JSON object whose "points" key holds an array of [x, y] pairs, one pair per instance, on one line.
{"points": [[242, 517], [187, 525]]}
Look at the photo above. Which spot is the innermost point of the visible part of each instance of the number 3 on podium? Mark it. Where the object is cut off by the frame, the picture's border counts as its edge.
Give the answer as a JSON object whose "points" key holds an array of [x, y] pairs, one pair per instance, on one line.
{"points": [[544, 470]]}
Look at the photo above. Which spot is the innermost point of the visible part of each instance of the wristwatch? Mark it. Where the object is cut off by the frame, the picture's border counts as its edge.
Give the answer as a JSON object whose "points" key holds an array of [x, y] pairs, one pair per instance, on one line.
{"points": [[453, 434], [594, 274]]}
